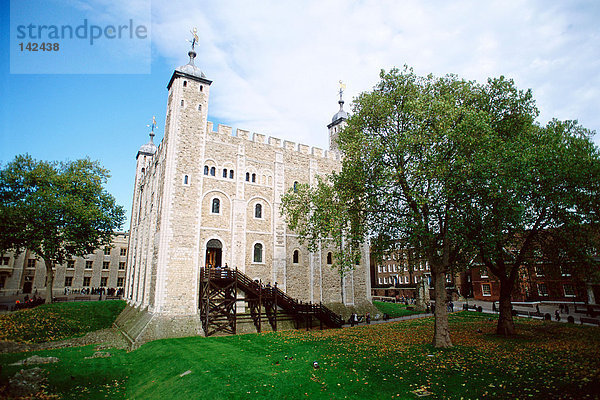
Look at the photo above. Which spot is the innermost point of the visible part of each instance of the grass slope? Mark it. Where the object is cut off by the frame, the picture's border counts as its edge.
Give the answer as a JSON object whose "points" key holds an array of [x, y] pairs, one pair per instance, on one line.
{"points": [[547, 360], [395, 310], [57, 321]]}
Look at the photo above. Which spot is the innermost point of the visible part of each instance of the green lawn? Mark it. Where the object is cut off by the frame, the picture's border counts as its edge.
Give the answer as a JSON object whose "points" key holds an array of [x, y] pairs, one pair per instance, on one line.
{"points": [[395, 310], [547, 360], [56, 321]]}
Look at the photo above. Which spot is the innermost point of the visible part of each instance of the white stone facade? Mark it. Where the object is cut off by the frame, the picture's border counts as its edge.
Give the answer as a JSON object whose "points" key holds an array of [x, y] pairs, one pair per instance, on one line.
{"points": [[201, 188]]}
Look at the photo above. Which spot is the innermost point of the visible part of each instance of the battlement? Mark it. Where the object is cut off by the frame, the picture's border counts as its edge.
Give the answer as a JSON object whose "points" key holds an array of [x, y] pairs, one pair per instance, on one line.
{"points": [[274, 142]]}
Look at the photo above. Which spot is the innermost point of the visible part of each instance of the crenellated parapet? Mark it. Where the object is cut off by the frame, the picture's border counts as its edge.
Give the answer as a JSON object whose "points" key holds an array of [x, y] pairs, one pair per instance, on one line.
{"points": [[276, 143]]}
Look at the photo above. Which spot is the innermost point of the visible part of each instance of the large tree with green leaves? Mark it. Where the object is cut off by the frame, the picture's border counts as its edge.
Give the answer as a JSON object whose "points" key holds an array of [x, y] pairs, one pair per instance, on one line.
{"points": [[528, 189], [57, 210]]}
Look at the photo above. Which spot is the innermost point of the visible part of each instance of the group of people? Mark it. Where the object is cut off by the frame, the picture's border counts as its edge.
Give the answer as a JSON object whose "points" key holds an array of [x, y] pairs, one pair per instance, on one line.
{"points": [[355, 319], [29, 302]]}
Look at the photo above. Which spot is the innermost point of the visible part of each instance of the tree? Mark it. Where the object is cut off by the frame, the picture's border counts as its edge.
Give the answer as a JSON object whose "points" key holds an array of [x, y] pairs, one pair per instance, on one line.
{"points": [[397, 182], [526, 185], [56, 210]]}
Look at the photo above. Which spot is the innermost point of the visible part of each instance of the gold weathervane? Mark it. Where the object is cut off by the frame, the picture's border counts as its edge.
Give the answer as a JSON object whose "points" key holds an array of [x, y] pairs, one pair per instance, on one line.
{"points": [[195, 40]]}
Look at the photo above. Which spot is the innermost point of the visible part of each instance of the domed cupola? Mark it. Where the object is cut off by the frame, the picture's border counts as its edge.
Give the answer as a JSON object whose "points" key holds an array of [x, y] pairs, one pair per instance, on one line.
{"points": [[338, 122], [148, 149]]}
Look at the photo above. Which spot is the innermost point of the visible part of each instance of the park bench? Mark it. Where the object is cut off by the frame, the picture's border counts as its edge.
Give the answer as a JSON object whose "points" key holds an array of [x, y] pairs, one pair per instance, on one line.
{"points": [[61, 298], [112, 298], [82, 298], [593, 321]]}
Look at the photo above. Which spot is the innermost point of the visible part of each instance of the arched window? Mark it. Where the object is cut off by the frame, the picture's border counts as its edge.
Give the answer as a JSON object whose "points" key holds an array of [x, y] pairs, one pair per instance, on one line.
{"points": [[201, 88], [295, 186], [296, 256], [185, 179], [258, 250], [247, 176], [224, 173], [181, 103], [212, 171], [184, 83], [258, 211], [230, 174], [253, 177], [216, 206], [206, 170], [329, 258], [199, 107]]}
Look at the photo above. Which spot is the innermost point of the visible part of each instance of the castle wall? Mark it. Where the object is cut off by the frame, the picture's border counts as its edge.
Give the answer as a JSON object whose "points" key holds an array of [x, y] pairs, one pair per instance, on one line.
{"points": [[174, 214]]}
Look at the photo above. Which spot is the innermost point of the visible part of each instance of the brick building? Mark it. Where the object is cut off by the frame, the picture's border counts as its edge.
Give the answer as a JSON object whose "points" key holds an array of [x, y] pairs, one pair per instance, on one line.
{"points": [[25, 273]]}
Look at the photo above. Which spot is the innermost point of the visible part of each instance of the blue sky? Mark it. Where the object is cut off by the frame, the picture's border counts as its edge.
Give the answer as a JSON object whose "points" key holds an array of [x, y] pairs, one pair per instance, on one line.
{"points": [[276, 66]]}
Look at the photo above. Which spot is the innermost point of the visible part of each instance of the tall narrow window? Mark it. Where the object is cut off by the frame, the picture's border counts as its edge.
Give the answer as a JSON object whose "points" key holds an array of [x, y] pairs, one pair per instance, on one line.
{"points": [[329, 258], [206, 170], [185, 179], [247, 176], [200, 107], [224, 173], [296, 256], [216, 206], [212, 171], [181, 103], [295, 186], [184, 83], [258, 211], [258, 256], [230, 174], [201, 88], [253, 177]]}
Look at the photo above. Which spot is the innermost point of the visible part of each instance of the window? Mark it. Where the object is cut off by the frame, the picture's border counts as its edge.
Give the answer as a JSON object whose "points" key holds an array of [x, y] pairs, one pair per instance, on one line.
{"points": [[184, 83], [70, 264], [295, 187], [206, 170], [230, 174], [565, 271], [212, 171], [406, 279], [103, 281], [106, 265], [68, 280], [380, 281], [5, 260], [258, 211], [186, 180], [181, 103], [122, 265], [200, 107], [569, 290], [258, 250], [295, 256], [86, 281], [484, 272], [107, 251], [120, 282], [123, 251], [448, 278], [247, 176], [88, 264], [253, 178], [31, 263], [330, 260], [542, 289], [216, 206], [416, 279], [224, 173], [201, 88], [539, 271], [379, 268], [486, 289]]}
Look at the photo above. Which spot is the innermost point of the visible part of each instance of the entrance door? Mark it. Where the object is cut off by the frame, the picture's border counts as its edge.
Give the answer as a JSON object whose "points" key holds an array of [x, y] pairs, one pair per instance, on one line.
{"points": [[213, 253], [27, 284]]}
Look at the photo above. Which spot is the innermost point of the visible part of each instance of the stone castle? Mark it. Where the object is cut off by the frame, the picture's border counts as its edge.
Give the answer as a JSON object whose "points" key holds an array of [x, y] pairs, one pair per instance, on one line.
{"points": [[210, 198]]}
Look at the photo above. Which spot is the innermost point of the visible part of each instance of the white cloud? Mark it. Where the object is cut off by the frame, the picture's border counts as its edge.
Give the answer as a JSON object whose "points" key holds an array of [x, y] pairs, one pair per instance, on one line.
{"points": [[276, 64]]}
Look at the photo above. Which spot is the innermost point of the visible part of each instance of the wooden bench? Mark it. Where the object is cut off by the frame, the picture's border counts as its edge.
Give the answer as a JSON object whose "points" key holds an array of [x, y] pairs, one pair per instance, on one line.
{"points": [[82, 298], [593, 321], [61, 298]]}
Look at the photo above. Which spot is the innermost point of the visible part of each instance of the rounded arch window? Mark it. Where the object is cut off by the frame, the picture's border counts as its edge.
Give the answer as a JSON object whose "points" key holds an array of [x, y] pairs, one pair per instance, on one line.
{"points": [[212, 171], [230, 174], [206, 170], [295, 186], [253, 177], [216, 206], [329, 258], [258, 253], [258, 210], [184, 83], [296, 256], [224, 172], [247, 176]]}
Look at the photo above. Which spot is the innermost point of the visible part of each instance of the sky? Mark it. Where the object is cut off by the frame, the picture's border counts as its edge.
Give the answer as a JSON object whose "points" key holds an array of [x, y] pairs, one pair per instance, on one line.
{"points": [[275, 65]]}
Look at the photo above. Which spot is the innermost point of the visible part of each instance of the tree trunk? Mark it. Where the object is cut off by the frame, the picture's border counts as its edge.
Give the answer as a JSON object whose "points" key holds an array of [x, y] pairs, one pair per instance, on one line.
{"points": [[441, 332], [49, 280], [506, 325], [342, 287]]}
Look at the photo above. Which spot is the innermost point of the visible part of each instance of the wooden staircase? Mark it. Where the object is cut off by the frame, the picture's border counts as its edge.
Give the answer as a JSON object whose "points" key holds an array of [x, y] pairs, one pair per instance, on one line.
{"points": [[220, 289]]}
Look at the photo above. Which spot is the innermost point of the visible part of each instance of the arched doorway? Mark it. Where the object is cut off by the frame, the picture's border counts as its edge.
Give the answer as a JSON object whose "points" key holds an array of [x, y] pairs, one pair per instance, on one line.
{"points": [[214, 253]]}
